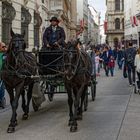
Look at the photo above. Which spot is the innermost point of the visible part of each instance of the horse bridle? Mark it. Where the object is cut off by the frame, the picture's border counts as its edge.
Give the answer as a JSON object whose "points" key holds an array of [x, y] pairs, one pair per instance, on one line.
{"points": [[75, 66]]}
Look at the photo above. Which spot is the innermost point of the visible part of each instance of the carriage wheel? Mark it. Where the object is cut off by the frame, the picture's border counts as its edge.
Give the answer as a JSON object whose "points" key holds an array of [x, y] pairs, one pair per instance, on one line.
{"points": [[51, 89], [35, 107], [86, 102], [93, 91]]}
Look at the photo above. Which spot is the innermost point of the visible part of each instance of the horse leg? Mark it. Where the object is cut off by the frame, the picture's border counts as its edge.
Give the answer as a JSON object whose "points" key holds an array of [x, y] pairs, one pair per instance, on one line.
{"points": [[79, 117], [78, 95], [14, 104], [23, 101], [70, 103], [73, 127], [29, 96]]}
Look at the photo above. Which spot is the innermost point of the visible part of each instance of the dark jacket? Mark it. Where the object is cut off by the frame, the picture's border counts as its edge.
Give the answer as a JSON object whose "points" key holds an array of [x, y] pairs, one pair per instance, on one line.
{"points": [[120, 55], [50, 37], [105, 57]]}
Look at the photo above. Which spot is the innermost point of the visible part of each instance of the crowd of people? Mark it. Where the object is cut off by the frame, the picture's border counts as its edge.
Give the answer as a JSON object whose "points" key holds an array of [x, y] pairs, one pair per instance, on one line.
{"points": [[126, 59]]}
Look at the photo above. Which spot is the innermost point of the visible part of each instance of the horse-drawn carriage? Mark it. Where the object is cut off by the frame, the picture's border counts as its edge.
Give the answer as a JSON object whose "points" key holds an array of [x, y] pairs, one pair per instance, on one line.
{"points": [[65, 70], [52, 75]]}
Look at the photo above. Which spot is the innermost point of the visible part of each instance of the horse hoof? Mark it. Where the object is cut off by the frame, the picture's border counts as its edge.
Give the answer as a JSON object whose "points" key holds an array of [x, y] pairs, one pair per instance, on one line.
{"points": [[85, 109], [11, 129], [70, 123], [25, 117], [16, 123], [73, 129]]}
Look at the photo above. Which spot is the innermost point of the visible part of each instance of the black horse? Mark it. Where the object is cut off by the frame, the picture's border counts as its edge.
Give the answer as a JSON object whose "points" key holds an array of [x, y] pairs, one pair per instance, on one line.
{"points": [[18, 67], [78, 69]]}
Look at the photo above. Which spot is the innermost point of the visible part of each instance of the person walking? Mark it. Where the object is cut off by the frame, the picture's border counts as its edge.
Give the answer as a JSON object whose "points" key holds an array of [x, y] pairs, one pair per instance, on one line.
{"points": [[105, 56], [137, 63], [97, 62], [120, 58], [129, 56], [111, 65], [2, 89]]}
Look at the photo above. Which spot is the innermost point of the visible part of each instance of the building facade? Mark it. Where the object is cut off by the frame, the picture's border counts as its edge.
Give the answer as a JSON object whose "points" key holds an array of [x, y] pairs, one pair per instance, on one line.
{"points": [[32, 17], [132, 24], [23, 16], [82, 20], [115, 22], [95, 26]]}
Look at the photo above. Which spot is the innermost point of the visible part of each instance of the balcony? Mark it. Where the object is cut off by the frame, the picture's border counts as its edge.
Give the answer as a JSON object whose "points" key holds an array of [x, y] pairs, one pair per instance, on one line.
{"points": [[112, 12], [112, 31]]}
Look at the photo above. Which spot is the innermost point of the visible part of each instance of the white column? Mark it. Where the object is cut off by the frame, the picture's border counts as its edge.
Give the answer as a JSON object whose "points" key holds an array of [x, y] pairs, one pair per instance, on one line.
{"points": [[16, 23]]}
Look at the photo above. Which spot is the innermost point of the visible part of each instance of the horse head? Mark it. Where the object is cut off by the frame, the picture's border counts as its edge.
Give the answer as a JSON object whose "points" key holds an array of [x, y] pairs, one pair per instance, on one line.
{"points": [[71, 58], [17, 42]]}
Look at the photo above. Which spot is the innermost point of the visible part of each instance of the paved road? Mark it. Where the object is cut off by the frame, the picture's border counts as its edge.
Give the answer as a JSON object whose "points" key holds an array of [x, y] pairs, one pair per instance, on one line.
{"points": [[115, 115]]}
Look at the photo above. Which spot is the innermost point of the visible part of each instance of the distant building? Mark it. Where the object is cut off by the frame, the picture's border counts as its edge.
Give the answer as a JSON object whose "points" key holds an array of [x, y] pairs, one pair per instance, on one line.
{"points": [[132, 24], [115, 22], [82, 20], [96, 25]]}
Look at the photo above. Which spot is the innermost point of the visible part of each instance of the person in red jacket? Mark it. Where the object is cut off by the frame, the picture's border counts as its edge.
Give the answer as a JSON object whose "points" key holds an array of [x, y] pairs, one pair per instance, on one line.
{"points": [[111, 65]]}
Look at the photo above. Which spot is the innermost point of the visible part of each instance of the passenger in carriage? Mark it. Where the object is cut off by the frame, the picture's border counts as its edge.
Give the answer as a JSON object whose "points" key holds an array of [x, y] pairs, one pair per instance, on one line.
{"points": [[54, 35]]}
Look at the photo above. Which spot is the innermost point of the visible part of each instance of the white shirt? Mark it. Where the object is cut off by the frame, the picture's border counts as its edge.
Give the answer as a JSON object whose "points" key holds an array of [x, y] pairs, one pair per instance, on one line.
{"points": [[137, 62]]}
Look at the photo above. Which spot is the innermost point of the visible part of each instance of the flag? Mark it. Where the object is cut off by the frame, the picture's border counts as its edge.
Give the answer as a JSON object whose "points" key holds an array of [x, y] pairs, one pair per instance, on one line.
{"points": [[132, 21], [135, 21]]}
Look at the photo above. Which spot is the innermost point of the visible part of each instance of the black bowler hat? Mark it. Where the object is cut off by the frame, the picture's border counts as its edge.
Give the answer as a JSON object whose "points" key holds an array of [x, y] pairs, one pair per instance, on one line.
{"points": [[54, 19]]}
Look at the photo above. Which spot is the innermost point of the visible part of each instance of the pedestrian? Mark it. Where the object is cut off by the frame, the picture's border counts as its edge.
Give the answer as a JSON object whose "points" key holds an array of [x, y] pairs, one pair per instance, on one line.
{"points": [[120, 58], [137, 63], [111, 65], [2, 89], [129, 56], [105, 57], [97, 62]]}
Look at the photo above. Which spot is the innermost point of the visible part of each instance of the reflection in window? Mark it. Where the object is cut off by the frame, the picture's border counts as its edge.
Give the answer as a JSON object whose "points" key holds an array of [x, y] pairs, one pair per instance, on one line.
{"points": [[117, 5]]}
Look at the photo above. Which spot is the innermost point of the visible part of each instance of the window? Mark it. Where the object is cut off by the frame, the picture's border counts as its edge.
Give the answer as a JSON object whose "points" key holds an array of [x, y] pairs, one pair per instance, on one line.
{"points": [[42, 1], [117, 5], [122, 5], [117, 23]]}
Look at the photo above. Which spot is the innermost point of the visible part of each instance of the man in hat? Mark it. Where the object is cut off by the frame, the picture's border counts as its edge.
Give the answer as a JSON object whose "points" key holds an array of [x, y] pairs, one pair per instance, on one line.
{"points": [[54, 35]]}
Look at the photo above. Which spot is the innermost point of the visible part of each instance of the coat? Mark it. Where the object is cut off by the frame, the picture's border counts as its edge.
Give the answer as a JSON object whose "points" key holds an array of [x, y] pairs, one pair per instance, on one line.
{"points": [[59, 36]]}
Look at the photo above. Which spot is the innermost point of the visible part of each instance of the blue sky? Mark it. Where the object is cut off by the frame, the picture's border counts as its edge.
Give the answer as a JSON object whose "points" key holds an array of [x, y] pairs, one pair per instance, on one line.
{"points": [[100, 6]]}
